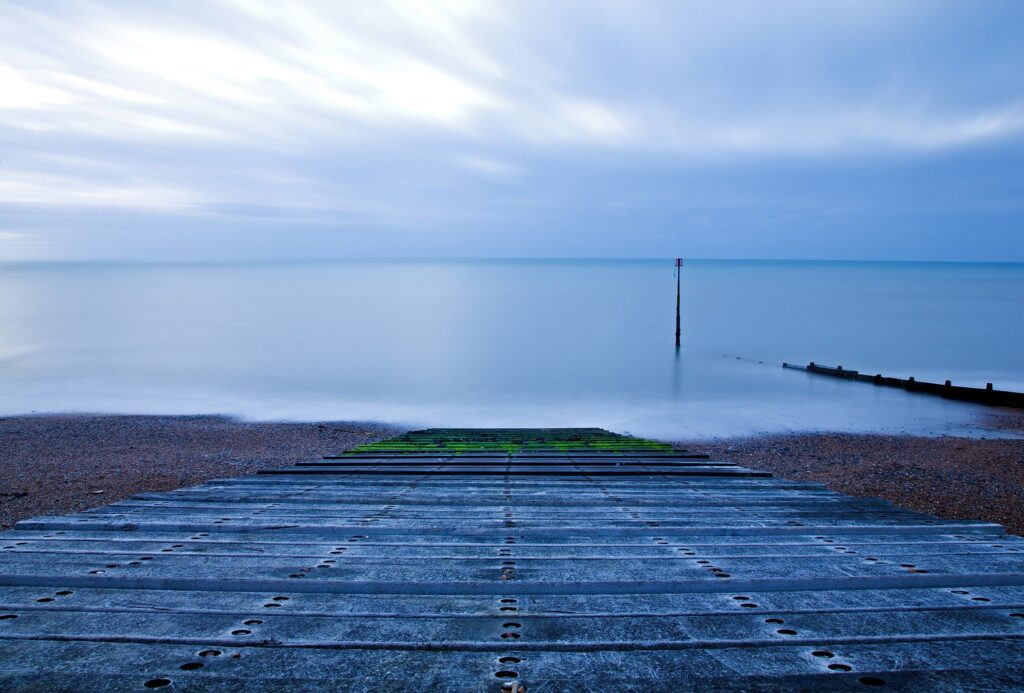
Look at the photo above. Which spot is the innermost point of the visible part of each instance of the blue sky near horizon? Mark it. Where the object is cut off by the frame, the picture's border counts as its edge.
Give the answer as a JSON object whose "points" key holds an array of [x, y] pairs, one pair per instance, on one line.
{"points": [[245, 130]]}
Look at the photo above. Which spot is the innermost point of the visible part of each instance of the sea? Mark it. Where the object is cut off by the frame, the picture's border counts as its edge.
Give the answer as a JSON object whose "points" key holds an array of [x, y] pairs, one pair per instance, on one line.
{"points": [[514, 343]]}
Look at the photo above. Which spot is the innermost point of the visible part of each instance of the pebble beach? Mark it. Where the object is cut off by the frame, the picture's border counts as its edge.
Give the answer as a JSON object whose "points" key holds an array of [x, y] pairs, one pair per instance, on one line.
{"points": [[52, 465], [950, 477]]}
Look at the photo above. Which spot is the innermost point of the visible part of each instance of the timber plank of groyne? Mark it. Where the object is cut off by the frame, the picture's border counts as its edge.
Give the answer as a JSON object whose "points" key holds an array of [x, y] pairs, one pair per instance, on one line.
{"points": [[501, 560], [987, 395]]}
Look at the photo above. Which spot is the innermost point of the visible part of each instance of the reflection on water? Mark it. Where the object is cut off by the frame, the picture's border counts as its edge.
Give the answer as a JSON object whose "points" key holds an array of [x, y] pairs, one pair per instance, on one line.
{"points": [[523, 343]]}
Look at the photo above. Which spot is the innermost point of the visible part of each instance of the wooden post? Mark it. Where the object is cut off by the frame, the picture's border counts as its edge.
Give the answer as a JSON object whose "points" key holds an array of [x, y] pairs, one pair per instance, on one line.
{"points": [[679, 267]]}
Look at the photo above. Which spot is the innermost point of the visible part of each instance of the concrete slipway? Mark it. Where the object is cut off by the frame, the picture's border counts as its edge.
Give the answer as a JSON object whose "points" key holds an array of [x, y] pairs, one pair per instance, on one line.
{"points": [[458, 560]]}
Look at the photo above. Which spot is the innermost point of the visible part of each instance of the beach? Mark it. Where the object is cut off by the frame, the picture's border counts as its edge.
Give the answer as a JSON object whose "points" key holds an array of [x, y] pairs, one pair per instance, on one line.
{"points": [[953, 478], [61, 464], [53, 465]]}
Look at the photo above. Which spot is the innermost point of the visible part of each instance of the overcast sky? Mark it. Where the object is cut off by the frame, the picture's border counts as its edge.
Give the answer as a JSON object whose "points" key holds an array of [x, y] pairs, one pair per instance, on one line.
{"points": [[237, 129]]}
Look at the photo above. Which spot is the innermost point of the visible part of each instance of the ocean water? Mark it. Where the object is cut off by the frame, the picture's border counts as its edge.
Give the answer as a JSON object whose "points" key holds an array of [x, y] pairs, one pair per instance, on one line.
{"points": [[513, 343]]}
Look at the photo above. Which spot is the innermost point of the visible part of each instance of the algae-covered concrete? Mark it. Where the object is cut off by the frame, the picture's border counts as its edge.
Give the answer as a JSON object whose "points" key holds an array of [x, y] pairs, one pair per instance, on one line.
{"points": [[556, 559]]}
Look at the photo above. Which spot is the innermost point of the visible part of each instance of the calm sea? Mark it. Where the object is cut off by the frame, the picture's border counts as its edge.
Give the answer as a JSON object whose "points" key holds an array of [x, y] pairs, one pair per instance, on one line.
{"points": [[512, 343]]}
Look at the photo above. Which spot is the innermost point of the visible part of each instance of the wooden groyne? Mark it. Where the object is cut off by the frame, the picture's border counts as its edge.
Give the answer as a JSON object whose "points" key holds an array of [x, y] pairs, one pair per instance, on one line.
{"points": [[554, 560], [981, 395]]}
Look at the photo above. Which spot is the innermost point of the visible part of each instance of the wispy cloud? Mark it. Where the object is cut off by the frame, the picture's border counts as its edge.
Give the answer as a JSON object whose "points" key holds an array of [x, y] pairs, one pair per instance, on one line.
{"points": [[425, 110]]}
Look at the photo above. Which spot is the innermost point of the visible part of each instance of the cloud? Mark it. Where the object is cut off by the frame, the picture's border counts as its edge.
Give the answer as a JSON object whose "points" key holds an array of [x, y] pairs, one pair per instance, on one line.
{"points": [[384, 113], [42, 189]]}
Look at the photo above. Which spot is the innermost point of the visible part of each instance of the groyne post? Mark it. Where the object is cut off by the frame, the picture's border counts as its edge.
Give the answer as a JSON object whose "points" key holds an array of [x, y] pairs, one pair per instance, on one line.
{"points": [[679, 267], [986, 395]]}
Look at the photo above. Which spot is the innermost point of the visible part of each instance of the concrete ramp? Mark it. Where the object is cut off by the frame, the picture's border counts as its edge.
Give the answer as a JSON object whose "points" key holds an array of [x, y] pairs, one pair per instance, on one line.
{"points": [[509, 560]]}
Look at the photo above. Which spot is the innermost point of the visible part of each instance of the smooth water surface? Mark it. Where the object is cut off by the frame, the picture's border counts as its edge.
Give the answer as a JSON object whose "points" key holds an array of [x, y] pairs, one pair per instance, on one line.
{"points": [[512, 343]]}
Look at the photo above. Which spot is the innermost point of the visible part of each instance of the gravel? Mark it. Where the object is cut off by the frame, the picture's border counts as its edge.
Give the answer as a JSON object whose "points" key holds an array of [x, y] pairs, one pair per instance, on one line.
{"points": [[953, 478], [52, 465]]}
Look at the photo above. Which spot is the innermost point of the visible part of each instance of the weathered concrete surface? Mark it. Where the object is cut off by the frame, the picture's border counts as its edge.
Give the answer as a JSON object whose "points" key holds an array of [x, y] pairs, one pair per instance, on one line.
{"points": [[552, 560]]}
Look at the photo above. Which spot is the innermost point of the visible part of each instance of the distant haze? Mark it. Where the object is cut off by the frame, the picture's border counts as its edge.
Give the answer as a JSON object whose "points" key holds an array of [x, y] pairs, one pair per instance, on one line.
{"points": [[244, 130]]}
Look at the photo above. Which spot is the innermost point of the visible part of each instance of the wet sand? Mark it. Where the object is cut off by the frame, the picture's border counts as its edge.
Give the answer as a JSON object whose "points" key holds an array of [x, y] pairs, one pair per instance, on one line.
{"points": [[60, 464]]}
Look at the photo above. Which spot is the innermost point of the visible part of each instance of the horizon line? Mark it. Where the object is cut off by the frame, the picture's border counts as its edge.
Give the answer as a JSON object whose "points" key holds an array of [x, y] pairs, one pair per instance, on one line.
{"points": [[397, 259]]}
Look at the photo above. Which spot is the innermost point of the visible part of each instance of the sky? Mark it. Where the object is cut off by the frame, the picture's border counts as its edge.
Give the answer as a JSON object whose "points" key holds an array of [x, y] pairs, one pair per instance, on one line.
{"points": [[260, 130]]}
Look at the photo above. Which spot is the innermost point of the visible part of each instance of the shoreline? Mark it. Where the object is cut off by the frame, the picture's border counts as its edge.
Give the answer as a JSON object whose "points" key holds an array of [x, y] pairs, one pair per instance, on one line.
{"points": [[53, 464]]}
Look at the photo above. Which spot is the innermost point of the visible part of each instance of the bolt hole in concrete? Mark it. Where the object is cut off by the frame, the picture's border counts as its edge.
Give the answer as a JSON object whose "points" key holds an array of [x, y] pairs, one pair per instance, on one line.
{"points": [[253, 622], [871, 681], [840, 667], [271, 606], [241, 631], [1017, 614], [157, 683], [509, 600], [774, 620], [511, 624], [510, 635], [749, 605], [786, 631], [64, 593], [7, 617], [509, 660], [281, 599], [191, 666], [980, 599], [741, 598], [823, 653], [210, 653], [45, 599], [506, 674]]}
